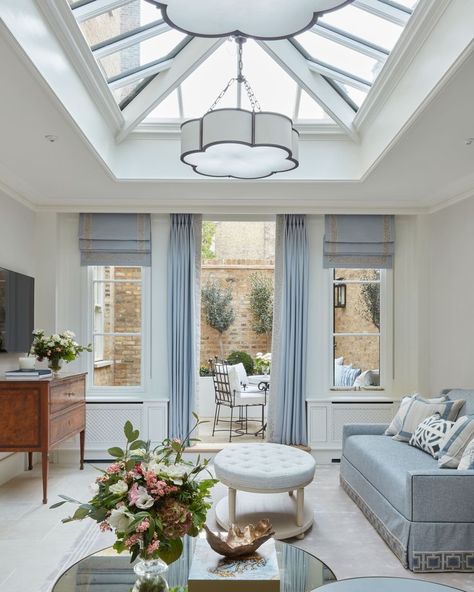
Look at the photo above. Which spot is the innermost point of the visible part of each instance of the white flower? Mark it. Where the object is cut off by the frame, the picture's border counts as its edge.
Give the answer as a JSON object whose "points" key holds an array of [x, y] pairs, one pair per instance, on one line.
{"points": [[140, 452], [55, 337], [119, 487], [120, 519], [69, 334], [94, 488], [174, 473], [144, 500]]}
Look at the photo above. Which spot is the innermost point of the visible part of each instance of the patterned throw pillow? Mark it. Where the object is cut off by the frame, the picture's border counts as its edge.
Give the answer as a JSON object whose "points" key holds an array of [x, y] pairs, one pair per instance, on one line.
{"points": [[467, 460], [455, 442], [430, 433], [397, 421], [419, 410]]}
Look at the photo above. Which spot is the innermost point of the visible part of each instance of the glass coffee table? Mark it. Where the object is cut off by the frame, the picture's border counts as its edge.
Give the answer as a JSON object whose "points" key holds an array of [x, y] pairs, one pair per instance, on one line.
{"points": [[106, 571]]}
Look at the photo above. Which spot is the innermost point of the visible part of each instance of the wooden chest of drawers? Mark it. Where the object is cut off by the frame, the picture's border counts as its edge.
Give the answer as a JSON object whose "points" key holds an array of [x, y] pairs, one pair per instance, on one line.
{"points": [[36, 415]]}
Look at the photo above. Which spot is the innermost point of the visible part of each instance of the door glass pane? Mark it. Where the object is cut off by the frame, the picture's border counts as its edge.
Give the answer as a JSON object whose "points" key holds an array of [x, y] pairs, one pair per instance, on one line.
{"points": [[121, 363]]}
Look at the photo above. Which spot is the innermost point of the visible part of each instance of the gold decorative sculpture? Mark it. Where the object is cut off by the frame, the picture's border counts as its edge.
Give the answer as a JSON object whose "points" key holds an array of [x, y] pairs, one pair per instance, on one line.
{"points": [[240, 542]]}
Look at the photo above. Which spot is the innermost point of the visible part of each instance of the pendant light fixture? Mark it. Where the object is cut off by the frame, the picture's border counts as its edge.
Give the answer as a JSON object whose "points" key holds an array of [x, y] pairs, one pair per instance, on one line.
{"points": [[259, 19], [239, 143]]}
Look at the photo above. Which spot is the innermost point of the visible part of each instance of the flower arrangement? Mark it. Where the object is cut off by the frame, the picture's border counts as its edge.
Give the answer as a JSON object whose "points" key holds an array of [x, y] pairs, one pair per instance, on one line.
{"points": [[57, 347], [263, 363], [150, 498]]}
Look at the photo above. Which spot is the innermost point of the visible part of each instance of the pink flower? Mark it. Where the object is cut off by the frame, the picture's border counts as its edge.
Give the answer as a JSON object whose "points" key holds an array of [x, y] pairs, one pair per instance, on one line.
{"points": [[152, 547], [143, 526], [104, 526], [133, 494], [114, 468], [133, 540]]}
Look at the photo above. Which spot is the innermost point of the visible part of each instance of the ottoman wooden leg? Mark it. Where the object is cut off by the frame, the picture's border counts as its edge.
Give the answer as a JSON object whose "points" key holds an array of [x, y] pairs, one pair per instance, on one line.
{"points": [[300, 509], [232, 503]]}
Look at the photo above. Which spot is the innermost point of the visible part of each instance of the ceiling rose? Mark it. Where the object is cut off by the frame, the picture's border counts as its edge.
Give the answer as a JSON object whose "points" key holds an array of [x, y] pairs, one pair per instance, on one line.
{"points": [[260, 19]]}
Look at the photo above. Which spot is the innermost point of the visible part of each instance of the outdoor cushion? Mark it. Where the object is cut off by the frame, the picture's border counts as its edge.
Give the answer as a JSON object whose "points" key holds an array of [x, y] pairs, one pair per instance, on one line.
{"points": [[385, 464]]}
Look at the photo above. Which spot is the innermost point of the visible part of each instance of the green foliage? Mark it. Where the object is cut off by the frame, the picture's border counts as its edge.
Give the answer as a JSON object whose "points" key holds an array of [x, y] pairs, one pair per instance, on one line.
{"points": [[261, 303], [174, 497], [237, 357], [217, 306], [370, 294], [205, 371], [208, 236]]}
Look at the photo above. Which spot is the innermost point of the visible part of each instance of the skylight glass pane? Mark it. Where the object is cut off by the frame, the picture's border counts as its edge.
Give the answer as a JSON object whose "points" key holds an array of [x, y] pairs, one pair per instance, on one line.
{"points": [[203, 86], [273, 87], [356, 95], [118, 21], [310, 110], [120, 94], [167, 109], [339, 56], [365, 25], [141, 54]]}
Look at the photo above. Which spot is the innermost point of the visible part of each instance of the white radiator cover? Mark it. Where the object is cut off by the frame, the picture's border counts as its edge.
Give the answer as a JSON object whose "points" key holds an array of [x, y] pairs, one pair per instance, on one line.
{"points": [[105, 421], [326, 419]]}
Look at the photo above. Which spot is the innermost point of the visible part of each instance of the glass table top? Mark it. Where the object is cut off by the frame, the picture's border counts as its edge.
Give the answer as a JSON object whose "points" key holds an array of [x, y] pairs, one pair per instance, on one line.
{"points": [[106, 571]]}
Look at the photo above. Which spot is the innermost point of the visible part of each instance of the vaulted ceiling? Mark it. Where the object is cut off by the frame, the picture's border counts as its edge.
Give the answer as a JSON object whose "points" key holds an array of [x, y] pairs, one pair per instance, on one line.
{"points": [[384, 117]]}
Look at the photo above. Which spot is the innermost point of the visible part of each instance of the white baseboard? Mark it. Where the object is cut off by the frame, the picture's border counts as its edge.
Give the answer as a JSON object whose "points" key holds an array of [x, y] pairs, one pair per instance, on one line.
{"points": [[326, 456]]}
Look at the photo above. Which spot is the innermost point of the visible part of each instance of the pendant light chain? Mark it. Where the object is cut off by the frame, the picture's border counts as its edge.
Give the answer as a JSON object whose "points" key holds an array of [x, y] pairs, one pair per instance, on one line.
{"points": [[241, 80]]}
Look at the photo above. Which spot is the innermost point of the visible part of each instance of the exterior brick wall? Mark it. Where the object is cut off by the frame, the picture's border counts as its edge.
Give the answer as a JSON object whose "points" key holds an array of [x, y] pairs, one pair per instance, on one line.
{"points": [[240, 336], [122, 314]]}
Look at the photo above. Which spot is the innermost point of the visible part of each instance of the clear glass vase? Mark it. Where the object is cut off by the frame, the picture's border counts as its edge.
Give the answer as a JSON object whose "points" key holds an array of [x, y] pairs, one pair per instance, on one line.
{"points": [[150, 574], [55, 365]]}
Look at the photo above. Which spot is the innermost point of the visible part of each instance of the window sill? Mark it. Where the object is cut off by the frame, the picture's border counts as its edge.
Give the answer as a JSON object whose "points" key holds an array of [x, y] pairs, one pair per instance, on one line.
{"points": [[356, 389], [103, 363]]}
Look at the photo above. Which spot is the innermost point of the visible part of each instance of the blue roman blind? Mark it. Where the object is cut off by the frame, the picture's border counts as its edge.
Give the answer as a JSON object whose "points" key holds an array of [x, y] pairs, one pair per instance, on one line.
{"points": [[359, 241], [115, 239]]}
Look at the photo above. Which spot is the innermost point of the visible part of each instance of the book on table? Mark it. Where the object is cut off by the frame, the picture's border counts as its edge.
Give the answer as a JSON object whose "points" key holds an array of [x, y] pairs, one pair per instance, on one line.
{"points": [[28, 374], [212, 573]]}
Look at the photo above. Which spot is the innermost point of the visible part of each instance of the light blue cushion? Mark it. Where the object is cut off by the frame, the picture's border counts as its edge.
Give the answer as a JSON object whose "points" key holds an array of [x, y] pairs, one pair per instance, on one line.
{"points": [[385, 464]]}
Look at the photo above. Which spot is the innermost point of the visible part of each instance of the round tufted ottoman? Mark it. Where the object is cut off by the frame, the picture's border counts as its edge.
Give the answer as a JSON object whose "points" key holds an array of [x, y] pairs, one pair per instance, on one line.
{"points": [[265, 468]]}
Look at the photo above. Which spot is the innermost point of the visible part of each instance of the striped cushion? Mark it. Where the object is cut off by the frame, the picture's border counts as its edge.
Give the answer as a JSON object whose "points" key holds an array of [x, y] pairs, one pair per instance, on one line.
{"points": [[430, 433], [455, 442], [419, 410], [467, 460], [397, 421]]}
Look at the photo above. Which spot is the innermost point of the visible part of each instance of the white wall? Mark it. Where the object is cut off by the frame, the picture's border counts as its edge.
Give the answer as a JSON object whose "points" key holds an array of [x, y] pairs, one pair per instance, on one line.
{"points": [[17, 253], [446, 298]]}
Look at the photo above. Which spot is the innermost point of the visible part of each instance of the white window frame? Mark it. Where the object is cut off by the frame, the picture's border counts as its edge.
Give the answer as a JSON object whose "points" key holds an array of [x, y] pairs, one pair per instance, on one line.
{"points": [[118, 393], [386, 336]]}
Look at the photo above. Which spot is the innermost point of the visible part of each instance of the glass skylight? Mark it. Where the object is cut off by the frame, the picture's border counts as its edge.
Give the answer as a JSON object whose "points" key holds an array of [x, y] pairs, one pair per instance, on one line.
{"points": [[345, 50]]}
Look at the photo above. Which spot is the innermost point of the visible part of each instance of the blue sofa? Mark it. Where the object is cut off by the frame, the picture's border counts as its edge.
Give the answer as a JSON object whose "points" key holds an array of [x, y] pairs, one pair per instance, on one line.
{"points": [[425, 514]]}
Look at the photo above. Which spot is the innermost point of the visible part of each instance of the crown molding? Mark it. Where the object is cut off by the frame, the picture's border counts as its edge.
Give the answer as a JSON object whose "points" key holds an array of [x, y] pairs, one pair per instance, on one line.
{"points": [[18, 197], [450, 201]]}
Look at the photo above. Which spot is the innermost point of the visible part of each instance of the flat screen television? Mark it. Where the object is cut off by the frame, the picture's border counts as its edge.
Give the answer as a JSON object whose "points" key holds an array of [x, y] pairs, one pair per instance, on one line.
{"points": [[17, 297]]}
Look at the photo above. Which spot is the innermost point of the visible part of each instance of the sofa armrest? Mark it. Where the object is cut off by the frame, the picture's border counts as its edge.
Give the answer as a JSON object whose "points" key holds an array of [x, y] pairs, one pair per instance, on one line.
{"points": [[441, 495], [362, 429]]}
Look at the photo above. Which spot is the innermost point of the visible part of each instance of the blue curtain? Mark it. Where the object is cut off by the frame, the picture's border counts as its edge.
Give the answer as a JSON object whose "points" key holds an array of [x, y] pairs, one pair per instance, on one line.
{"points": [[287, 414], [183, 320]]}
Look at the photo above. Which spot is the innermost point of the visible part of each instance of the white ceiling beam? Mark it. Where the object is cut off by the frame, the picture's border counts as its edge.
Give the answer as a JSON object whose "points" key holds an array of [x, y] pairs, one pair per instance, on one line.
{"points": [[339, 76], [120, 44], [354, 43], [187, 60], [389, 12], [140, 74], [291, 60], [92, 9]]}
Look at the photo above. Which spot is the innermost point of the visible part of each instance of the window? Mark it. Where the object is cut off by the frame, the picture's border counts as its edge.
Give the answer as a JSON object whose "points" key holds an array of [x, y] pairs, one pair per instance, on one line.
{"points": [[357, 327], [117, 326]]}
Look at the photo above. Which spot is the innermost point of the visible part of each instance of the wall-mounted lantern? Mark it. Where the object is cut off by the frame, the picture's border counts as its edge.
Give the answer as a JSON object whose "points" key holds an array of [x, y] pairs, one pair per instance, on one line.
{"points": [[340, 295]]}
